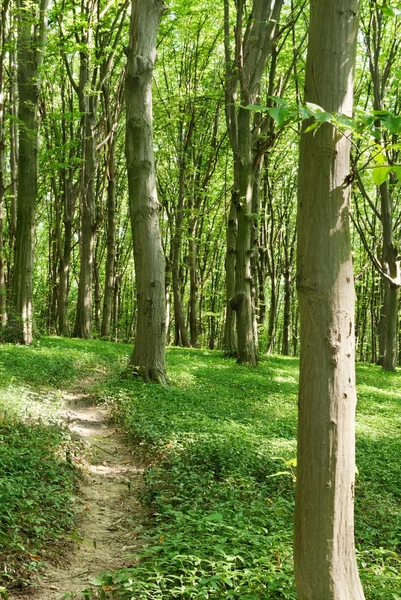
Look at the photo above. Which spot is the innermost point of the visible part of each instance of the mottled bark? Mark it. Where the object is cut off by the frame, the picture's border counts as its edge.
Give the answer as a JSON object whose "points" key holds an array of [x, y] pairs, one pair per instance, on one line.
{"points": [[325, 562], [148, 356], [244, 74], [3, 302], [31, 44]]}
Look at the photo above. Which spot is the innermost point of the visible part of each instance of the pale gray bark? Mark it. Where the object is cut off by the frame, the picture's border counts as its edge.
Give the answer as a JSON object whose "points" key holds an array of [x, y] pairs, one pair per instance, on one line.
{"points": [[31, 45], [148, 356], [325, 562]]}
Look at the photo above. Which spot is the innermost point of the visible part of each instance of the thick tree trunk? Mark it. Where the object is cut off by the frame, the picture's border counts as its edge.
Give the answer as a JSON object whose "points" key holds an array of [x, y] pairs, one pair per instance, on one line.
{"points": [[193, 288], [3, 299], [30, 56], [148, 357], [242, 301], [325, 562]]}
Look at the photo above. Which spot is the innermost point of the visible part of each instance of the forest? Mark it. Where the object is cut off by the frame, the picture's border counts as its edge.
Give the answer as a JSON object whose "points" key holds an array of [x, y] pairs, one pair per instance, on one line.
{"points": [[199, 274]]}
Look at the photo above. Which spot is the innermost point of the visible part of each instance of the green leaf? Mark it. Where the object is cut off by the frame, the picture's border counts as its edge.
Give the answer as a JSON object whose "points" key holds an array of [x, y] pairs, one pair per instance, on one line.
{"points": [[214, 517], [397, 171], [379, 157], [279, 113], [387, 10], [380, 174], [323, 117], [312, 127], [392, 123], [305, 113]]}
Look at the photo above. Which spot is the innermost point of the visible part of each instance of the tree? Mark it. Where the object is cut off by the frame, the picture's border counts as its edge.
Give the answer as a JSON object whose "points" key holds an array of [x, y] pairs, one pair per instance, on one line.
{"points": [[3, 20], [148, 356], [325, 563], [31, 45], [383, 54], [243, 77]]}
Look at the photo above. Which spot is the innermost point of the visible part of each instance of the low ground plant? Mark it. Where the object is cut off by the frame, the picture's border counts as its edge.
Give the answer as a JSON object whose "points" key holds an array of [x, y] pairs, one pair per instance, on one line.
{"points": [[219, 443], [221, 440]]}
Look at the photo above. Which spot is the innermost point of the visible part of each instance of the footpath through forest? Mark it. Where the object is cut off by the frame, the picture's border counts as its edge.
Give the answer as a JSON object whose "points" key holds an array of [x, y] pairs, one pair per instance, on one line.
{"points": [[112, 477]]}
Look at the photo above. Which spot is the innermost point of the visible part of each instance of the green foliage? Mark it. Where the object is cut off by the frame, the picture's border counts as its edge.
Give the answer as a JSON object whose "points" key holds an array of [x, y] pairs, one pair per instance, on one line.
{"points": [[36, 495], [220, 500]]}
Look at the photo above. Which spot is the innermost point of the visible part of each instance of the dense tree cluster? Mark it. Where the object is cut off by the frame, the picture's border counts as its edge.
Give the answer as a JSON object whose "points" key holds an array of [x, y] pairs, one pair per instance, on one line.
{"points": [[158, 197], [226, 154]]}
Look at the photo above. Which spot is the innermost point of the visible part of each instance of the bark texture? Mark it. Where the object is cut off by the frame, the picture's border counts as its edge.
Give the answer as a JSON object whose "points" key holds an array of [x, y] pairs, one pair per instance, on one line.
{"points": [[3, 20], [31, 43], [253, 45], [325, 563], [148, 356]]}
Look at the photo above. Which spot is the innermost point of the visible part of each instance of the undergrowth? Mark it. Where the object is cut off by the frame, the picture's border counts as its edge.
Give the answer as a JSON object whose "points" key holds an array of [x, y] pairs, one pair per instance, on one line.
{"points": [[220, 441], [220, 483]]}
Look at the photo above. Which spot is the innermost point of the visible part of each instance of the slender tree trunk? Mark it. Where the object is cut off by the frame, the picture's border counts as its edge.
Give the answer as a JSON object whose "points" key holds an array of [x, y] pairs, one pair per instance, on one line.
{"points": [[83, 326], [31, 45], [111, 241], [325, 562], [148, 356], [13, 133], [181, 336], [230, 338], [389, 321], [253, 45], [193, 287]]}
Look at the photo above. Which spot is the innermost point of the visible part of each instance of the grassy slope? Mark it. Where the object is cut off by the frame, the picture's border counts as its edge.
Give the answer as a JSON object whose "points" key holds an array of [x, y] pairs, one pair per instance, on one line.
{"points": [[37, 479], [216, 438]]}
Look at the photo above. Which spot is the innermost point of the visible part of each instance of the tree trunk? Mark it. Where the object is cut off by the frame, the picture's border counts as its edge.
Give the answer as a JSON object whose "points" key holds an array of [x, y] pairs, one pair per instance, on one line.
{"points": [[31, 45], [83, 326], [3, 299], [111, 242], [181, 335], [148, 356], [244, 73], [230, 338], [13, 133], [389, 317], [325, 562]]}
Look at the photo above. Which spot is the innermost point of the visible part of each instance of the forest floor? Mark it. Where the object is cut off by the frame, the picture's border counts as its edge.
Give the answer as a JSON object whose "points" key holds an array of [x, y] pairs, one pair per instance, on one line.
{"points": [[211, 516], [112, 476]]}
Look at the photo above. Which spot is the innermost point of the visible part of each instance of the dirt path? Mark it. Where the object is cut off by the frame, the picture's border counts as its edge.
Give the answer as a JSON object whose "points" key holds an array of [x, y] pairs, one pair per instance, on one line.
{"points": [[110, 509]]}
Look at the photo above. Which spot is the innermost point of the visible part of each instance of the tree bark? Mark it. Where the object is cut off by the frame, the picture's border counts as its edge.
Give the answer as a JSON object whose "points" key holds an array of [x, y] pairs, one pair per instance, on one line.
{"points": [[148, 356], [244, 74], [3, 302], [111, 174], [325, 562], [31, 44]]}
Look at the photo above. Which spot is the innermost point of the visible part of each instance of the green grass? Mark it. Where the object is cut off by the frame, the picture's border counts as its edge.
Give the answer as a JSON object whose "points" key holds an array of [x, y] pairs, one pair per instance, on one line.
{"points": [[221, 524], [220, 518]]}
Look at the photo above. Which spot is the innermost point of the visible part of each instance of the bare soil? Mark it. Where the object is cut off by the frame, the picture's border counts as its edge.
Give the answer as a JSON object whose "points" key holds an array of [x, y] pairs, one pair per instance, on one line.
{"points": [[110, 510]]}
